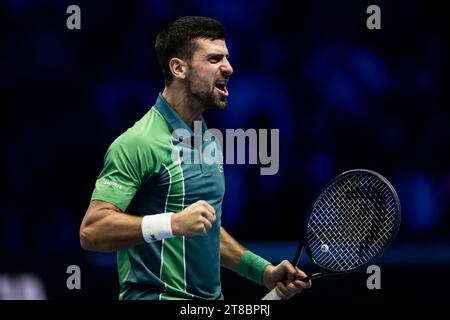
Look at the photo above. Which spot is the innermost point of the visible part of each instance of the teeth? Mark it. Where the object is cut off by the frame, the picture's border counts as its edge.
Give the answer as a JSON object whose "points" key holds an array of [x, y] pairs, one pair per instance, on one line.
{"points": [[221, 84]]}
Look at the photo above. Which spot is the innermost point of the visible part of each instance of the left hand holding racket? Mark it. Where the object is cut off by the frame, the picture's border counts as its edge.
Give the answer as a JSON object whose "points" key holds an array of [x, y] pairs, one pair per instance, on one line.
{"points": [[285, 279]]}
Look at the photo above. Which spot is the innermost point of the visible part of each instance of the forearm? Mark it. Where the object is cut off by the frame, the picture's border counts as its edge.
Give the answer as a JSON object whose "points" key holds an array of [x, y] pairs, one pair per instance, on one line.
{"points": [[237, 258], [230, 250], [110, 230]]}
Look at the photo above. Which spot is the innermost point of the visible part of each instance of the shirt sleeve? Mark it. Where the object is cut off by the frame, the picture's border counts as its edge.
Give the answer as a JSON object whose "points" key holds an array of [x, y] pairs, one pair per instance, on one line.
{"points": [[126, 166]]}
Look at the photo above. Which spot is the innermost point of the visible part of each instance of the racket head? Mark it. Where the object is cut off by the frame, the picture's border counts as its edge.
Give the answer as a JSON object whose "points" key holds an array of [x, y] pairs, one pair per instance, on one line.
{"points": [[352, 221]]}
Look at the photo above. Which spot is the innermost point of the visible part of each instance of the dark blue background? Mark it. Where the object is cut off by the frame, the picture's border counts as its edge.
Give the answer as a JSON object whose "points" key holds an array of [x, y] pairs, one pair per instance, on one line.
{"points": [[342, 96]]}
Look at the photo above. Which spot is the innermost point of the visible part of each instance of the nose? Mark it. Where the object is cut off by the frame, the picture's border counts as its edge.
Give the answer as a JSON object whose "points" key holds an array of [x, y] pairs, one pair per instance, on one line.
{"points": [[226, 68]]}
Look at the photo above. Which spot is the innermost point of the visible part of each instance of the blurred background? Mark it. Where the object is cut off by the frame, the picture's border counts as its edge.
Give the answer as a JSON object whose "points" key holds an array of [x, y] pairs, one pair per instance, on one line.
{"points": [[342, 96]]}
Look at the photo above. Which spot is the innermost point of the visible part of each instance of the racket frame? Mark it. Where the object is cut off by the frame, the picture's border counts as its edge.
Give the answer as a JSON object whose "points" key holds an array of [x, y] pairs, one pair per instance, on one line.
{"points": [[303, 244]]}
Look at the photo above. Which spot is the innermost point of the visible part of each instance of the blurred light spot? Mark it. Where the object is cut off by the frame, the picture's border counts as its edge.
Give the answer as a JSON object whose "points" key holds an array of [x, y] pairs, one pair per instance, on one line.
{"points": [[235, 13], [106, 100], [255, 94], [321, 167], [421, 203], [424, 211], [103, 259], [235, 196], [342, 91], [328, 72], [15, 4], [368, 68], [160, 10], [273, 52], [21, 287], [45, 55]]}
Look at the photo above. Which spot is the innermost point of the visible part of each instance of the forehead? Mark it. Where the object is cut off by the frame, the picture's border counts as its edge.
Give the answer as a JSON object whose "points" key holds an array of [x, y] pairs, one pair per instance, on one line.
{"points": [[206, 46]]}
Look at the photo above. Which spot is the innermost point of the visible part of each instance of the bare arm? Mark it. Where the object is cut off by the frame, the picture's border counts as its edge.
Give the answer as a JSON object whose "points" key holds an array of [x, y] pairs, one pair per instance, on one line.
{"points": [[230, 250], [106, 228]]}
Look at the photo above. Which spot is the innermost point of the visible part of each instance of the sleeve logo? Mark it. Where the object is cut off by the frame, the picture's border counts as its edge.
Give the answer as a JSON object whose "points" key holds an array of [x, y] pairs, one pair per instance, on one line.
{"points": [[112, 184]]}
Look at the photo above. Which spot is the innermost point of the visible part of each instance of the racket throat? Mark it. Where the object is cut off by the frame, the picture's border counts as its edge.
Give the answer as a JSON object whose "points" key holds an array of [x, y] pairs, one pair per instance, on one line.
{"points": [[298, 254]]}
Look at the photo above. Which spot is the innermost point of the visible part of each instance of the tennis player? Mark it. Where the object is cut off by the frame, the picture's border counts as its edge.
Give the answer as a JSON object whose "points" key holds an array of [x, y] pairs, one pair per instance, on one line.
{"points": [[161, 215]]}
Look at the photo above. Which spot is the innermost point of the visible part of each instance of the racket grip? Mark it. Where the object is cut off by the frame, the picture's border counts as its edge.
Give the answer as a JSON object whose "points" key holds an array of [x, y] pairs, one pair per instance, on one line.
{"points": [[272, 295]]}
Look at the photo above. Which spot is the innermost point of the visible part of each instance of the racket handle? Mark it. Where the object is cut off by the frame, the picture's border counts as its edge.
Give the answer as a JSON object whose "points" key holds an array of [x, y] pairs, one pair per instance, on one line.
{"points": [[272, 295]]}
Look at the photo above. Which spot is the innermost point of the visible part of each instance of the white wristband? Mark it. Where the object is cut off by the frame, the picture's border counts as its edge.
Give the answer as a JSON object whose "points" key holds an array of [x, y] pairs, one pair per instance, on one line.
{"points": [[157, 227]]}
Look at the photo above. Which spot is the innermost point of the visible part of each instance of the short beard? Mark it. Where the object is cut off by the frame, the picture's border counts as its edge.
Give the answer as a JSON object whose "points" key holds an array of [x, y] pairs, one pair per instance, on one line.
{"points": [[208, 100]]}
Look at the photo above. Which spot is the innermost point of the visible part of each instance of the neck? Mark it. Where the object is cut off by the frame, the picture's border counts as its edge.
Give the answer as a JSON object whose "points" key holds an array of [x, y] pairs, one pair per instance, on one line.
{"points": [[185, 106]]}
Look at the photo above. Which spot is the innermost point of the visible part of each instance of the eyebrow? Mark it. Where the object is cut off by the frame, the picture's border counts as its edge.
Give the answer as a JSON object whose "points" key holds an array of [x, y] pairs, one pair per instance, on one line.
{"points": [[210, 55]]}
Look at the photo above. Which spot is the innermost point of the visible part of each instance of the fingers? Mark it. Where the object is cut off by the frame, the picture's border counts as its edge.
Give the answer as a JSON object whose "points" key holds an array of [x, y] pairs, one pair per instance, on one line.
{"points": [[288, 290], [208, 206], [291, 272], [196, 219], [295, 275], [206, 210], [302, 285], [301, 275], [294, 284], [281, 291], [208, 215], [207, 224]]}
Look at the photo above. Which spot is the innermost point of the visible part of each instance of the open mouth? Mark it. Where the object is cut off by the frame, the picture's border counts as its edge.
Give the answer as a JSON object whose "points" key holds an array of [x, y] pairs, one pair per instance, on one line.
{"points": [[221, 86]]}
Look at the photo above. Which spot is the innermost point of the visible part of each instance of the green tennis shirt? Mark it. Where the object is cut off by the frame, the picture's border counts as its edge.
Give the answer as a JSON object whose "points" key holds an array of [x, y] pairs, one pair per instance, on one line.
{"points": [[143, 174]]}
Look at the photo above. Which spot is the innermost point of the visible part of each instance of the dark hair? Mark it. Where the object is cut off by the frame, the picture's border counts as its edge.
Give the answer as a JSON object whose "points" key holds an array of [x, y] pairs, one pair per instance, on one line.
{"points": [[178, 40]]}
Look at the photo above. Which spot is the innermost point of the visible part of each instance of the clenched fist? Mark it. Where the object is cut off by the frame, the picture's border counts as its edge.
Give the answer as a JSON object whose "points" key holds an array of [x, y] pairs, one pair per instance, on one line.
{"points": [[195, 220]]}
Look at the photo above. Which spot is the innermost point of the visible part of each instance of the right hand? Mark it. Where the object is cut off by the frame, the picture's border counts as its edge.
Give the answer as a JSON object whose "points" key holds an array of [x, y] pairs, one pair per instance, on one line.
{"points": [[195, 220]]}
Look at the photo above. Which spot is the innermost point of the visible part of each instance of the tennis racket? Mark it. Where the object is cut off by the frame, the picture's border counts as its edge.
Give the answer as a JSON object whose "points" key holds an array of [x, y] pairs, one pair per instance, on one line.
{"points": [[352, 221]]}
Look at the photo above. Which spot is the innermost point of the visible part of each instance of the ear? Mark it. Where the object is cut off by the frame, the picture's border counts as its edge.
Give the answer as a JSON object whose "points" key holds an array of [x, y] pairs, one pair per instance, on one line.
{"points": [[178, 68]]}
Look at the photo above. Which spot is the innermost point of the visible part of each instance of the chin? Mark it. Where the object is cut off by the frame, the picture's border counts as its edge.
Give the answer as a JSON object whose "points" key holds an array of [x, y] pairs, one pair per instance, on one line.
{"points": [[221, 105], [218, 104], [213, 101]]}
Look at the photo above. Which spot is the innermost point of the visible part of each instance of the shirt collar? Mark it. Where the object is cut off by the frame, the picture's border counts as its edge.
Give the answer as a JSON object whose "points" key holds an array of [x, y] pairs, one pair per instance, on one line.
{"points": [[172, 118]]}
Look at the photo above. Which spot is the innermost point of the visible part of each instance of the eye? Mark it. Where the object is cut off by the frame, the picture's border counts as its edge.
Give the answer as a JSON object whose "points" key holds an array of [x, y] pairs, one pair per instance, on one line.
{"points": [[213, 60]]}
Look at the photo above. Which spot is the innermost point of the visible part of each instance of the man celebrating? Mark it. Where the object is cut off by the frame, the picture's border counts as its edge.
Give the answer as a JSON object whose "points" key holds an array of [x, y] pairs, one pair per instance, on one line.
{"points": [[161, 215]]}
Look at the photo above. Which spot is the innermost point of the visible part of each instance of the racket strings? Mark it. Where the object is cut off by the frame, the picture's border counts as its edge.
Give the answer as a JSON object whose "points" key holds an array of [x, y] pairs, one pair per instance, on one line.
{"points": [[351, 222]]}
